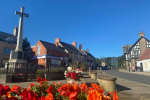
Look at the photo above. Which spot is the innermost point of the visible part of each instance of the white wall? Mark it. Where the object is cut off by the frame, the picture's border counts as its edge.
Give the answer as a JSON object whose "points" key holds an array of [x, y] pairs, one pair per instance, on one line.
{"points": [[146, 64]]}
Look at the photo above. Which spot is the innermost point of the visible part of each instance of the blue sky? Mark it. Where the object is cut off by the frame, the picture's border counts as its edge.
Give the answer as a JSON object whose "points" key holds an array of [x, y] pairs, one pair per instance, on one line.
{"points": [[102, 26]]}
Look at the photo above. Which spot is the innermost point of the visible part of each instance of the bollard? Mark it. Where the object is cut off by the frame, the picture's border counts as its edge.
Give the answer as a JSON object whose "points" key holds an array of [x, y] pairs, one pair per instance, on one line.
{"points": [[7, 66], [100, 70], [89, 69]]}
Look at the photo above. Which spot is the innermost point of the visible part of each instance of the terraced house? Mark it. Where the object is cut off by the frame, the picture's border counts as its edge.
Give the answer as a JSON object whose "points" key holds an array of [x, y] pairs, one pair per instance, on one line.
{"points": [[7, 44], [47, 54], [75, 54]]}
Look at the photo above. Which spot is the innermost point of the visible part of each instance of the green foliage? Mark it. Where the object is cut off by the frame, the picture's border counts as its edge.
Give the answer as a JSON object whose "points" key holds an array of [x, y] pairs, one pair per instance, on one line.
{"points": [[99, 61], [41, 72], [121, 62], [83, 67], [25, 43]]}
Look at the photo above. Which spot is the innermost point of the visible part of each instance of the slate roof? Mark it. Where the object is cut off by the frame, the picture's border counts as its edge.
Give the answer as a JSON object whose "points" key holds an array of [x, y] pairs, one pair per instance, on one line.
{"points": [[52, 47], [6, 36], [145, 55], [126, 48], [89, 54], [71, 48]]}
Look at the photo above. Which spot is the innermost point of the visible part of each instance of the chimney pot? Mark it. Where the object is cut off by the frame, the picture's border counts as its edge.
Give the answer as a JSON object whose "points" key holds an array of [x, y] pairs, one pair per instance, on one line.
{"points": [[80, 47], [57, 40], [141, 34], [87, 50], [16, 31], [74, 43]]}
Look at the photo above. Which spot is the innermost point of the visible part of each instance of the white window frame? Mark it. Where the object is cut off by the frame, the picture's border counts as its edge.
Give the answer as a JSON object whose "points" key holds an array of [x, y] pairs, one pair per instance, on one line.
{"points": [[38, 51]]}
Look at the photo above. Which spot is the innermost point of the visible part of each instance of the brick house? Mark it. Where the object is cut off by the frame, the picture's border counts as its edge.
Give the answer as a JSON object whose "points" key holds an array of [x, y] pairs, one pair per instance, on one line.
{"points": [[133, 52], [7, 44], [75, 54], [46, 54], [90, 59]]}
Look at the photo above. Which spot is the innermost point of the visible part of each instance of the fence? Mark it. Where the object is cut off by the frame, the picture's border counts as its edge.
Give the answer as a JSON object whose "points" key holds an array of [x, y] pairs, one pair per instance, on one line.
{"points": [[29, 73]]}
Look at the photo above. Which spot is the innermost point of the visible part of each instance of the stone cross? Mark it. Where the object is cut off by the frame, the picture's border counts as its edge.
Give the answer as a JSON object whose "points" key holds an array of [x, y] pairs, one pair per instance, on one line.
{"points": [[20, 31]]}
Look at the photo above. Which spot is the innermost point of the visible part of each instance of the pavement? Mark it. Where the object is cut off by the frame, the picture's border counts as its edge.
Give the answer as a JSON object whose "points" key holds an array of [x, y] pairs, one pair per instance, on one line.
{"points": [[127, 90], [130, 90], [140, 73]]}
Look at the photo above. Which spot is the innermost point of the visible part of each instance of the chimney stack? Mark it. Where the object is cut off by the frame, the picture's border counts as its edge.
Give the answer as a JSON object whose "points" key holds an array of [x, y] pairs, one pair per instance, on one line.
{"points": [[74, 43], [141, 34], [16, 31], [57, 40], [87, 50], [80, 47], [56, 43]]}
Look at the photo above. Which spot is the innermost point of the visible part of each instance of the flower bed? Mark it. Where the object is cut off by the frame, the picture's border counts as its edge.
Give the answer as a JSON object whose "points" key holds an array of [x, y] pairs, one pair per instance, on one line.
{"points": [[55, 91]]}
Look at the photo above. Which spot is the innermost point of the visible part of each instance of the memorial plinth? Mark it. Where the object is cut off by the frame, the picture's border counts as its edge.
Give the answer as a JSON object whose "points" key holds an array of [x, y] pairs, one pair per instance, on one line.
{"points": [[19, 57]]}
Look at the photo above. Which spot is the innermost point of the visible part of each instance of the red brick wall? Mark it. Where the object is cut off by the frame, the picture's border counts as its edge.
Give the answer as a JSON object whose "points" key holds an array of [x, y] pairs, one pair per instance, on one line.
{"points": [[42, 52]]}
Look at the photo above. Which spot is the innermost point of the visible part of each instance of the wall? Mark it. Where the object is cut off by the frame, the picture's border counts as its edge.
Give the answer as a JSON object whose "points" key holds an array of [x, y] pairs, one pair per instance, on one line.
{"points": [[5, 58], [146, 64]]}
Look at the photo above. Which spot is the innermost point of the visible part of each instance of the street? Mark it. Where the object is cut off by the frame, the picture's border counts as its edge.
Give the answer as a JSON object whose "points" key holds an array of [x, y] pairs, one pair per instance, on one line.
{"points": [[129, 76]]}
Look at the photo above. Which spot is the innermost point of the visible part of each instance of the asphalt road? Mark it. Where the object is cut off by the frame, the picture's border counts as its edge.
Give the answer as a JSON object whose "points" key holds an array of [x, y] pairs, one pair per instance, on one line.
{"points": [[132, 77]]}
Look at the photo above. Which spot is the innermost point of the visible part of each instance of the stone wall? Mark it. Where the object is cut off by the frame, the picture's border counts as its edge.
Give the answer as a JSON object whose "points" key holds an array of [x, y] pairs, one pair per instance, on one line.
{"points": [[142, 45], [5, 78]]}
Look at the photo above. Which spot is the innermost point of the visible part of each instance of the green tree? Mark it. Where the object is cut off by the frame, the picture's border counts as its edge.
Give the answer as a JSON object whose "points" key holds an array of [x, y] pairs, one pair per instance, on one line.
{"points": [[25, 43], [121, 62]]}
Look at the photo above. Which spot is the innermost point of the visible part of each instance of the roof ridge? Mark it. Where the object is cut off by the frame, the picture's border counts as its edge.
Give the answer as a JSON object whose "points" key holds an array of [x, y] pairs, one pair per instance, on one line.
{"points": [[6, 33], [47, 42]]}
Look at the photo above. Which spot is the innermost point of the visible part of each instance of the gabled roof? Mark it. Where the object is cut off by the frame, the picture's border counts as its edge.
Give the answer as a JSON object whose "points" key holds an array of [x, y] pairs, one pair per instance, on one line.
{"points": [[89, 54], [70, 48], [126, 48], [137, 42], [52, 47], [145, 55], [7, 37]]}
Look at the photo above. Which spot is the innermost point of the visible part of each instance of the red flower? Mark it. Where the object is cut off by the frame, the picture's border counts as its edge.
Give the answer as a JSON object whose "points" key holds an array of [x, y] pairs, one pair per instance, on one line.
{"points": [[31, 85], [73, 96], [16, 89], [28, 95], [54, 83], [6, 89], [39, 79], [68, 74], [1, 89], [74, 75], [50, 89], [115, 96]]}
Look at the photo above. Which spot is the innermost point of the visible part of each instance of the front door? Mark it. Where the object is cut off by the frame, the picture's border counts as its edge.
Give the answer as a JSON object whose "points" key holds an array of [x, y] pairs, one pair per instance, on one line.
{"points": [[141, 65]]}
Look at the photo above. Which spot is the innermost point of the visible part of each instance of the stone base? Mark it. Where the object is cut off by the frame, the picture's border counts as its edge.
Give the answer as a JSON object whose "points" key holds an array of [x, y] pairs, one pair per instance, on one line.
{"points": [[93, 75], [6, 78], [16, 63], [107, 82]]}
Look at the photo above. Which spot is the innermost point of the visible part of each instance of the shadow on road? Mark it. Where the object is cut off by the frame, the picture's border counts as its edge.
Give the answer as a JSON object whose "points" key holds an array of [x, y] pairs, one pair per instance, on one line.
{"points": [[121, 88]]}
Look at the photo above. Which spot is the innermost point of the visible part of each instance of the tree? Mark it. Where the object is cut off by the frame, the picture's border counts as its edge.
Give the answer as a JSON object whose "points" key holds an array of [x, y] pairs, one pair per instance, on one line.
{"points": [[121, 62], [25, 43]]}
